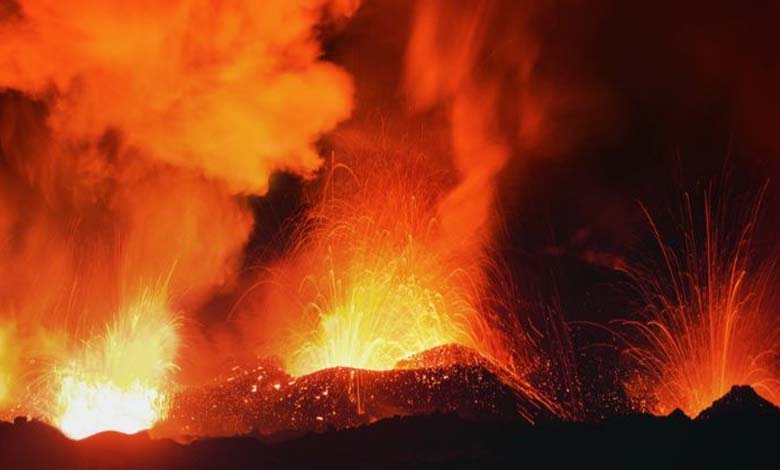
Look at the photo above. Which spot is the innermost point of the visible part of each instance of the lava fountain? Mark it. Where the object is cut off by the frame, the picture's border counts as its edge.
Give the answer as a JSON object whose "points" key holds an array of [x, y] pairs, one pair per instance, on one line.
{"points": [[207, 101], [386, 293], [710, 318], [375, 281], [119, 381]]}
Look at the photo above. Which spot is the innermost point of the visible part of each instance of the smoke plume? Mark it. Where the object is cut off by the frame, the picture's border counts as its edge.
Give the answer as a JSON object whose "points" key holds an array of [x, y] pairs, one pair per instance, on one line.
{"points": [[130, 134]]}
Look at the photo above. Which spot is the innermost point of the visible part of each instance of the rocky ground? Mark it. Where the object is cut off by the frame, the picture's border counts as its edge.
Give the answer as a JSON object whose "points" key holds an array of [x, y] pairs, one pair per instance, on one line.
{"points": [[261, 399], [740, 430]]}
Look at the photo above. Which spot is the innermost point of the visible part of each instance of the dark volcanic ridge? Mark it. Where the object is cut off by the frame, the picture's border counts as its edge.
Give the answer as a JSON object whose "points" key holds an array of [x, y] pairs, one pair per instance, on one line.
{"points": [[433, 441], [264, 400], [741, 401]]}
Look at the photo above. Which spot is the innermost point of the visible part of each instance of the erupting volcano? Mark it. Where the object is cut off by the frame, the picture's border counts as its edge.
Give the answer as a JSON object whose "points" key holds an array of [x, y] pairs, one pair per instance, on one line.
{"points": [[289, 227], [711, 319], [120, 381]]}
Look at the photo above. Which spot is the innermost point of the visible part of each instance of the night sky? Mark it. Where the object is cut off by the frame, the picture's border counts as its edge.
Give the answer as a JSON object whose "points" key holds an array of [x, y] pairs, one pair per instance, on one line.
{"points": [[657, 99], [663, 98]]}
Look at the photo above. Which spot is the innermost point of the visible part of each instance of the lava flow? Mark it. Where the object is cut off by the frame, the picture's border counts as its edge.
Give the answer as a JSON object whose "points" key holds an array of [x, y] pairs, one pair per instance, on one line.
{"points": [[709, 317]]}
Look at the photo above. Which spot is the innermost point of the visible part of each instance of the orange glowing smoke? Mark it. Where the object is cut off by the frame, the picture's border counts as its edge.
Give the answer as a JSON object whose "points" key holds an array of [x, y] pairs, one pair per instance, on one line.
{"points": [[394, 257], [130, 136], [710, 318], [443, 70], [198, 84]]}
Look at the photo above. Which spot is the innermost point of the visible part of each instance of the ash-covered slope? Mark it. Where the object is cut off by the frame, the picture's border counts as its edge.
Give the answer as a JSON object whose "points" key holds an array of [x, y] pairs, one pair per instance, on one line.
{"points": [[266, 401]]}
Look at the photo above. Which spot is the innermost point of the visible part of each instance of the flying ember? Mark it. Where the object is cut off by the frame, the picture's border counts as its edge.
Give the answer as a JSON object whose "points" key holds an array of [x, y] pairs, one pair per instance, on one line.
{"points": [[709, 315], [385, 290]]}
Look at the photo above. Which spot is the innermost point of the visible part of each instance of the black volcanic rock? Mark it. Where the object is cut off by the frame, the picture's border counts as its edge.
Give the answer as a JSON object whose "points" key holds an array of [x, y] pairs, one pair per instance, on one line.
{"points": [[739, 430], [678, 415], [740, 402], [266, 401], [425, 441], [33, 444], [438, 440]]}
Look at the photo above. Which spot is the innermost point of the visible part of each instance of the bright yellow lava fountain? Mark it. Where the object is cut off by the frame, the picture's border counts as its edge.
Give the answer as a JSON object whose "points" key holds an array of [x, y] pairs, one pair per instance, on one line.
{"points": [[92, 406], [378, 283], [378, 315], [119, 380]]}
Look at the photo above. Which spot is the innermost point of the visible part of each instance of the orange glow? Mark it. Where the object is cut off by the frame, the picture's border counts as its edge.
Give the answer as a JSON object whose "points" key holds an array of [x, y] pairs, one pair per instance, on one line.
{"points": [[394, 258], [131, 137], [374, 278], [377, 319], [385, 296], [373, 285], [92, 406], [134, 138], [120, 380], [711, 320], [199, 85], [8, 356]]}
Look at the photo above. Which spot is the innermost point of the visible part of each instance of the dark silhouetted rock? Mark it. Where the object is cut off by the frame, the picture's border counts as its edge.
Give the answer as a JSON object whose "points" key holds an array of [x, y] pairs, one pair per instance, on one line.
{"points": [[430, 441], [678, 415], [740, 402]]}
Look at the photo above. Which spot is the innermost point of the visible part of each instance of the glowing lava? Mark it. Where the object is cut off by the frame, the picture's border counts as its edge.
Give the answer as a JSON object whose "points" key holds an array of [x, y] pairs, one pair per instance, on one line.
{"points": [[92, 406], [375, 282], [711, 319], [379, 310], [375, 279], [119, 380], [6, 366]]}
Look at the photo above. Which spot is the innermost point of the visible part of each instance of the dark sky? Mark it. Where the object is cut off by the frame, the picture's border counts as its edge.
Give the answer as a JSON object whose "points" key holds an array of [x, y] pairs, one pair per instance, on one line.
{"points": [[657, 99], [650, 100], [667, 97]]}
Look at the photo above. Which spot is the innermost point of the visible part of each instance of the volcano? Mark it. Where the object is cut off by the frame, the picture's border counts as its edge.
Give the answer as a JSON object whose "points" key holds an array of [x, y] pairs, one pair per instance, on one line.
{"points": [[389, 233], [741, 402], [264, 400]]}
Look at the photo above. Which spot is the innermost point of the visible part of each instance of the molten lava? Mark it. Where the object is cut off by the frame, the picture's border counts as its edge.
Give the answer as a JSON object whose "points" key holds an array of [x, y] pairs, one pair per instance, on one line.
{"points": [[383, 317], [94, 405], [120, 380], [386, 296], [6, 360], [374, 284], [374, 279], [711, 319]]}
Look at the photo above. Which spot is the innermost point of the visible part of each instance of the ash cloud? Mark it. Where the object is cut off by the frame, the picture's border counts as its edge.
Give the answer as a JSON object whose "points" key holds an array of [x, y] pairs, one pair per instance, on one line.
{"points": [[131, 135]]}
